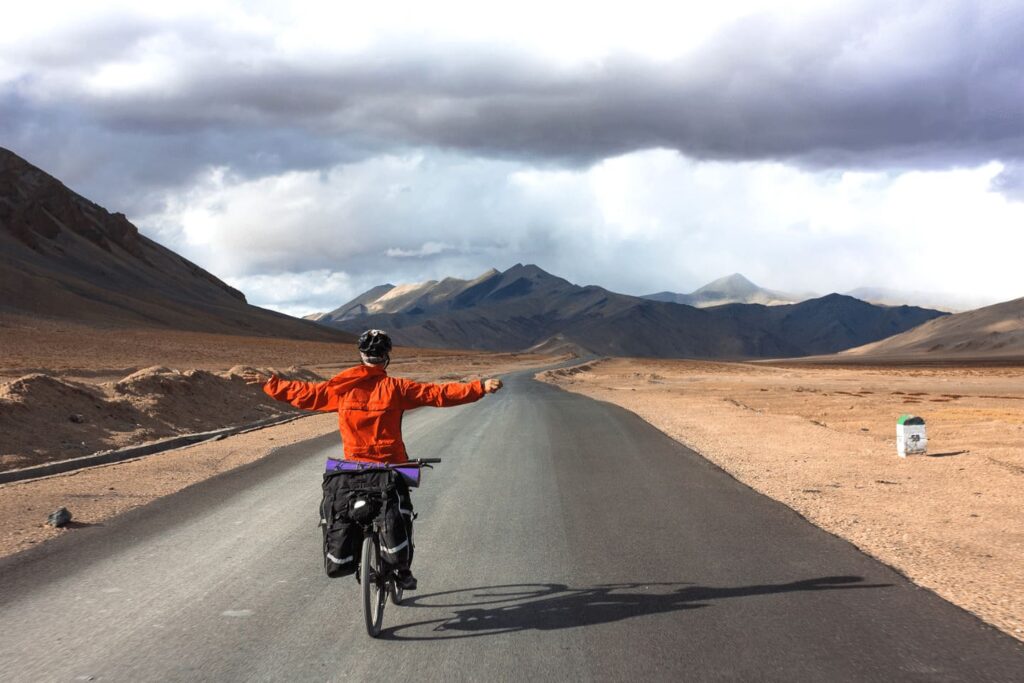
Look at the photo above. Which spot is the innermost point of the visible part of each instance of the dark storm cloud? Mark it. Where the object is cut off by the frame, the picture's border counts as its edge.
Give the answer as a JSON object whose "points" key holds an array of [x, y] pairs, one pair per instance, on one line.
{"points": [[102, 161], [883, 84], [915, 85]]}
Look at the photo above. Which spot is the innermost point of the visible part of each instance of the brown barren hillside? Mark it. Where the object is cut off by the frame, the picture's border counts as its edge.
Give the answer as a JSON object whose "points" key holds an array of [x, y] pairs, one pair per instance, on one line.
{"points": [[64, 257], [993, 332]]}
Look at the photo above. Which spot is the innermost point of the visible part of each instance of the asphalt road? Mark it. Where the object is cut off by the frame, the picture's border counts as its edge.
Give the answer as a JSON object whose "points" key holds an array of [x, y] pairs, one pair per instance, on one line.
{"points": [[561, 539]]}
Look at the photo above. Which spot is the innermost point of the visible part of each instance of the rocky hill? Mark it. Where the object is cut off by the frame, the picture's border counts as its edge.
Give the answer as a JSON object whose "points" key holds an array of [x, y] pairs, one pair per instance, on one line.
{"points": [[993, 332], [64, 257], [526, 307]]}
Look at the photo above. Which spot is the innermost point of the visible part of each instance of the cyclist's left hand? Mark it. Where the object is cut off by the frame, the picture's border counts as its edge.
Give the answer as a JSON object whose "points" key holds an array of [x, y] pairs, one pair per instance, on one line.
{"points": [[492, 385]]}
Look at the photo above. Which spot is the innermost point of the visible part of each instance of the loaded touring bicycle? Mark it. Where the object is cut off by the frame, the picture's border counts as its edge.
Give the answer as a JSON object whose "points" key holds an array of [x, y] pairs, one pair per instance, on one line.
{"points": [[366, 518]]}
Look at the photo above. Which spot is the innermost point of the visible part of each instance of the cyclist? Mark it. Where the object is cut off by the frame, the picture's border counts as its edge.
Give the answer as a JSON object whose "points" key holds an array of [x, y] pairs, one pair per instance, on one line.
{"points": [[370, 404]]}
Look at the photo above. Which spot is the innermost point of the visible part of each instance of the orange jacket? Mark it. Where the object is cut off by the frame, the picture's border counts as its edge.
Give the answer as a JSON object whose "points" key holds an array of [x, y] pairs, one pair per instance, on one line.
{"points": [[370, 406]]}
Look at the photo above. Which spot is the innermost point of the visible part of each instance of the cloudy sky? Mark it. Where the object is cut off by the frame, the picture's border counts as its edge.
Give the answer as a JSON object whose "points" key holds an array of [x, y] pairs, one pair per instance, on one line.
{"points": [[306, 151]]}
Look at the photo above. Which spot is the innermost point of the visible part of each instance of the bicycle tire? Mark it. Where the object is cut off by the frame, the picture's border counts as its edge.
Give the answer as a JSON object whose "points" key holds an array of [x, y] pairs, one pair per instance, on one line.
{"points": [[372, 586]]}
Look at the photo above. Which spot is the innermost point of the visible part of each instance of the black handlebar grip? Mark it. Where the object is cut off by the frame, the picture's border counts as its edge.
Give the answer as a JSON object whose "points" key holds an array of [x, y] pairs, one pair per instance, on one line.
{"points": [[430, 460]]}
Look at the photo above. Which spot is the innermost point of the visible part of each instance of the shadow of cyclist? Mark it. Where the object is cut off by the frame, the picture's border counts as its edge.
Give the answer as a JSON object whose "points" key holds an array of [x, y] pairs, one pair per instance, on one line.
{"points": [[491, 610]]}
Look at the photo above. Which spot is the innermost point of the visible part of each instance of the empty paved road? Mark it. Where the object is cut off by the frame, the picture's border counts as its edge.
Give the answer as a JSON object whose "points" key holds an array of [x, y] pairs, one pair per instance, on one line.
{"points": [[562, 538]]}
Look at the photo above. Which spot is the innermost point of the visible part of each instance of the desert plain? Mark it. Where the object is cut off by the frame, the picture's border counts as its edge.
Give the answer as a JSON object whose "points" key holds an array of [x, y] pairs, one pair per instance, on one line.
{"points": [[819, 438], [822, 440]]}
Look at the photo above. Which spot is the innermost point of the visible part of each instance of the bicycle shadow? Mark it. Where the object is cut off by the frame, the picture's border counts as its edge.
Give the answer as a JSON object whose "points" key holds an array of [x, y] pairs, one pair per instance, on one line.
{"points": [[493, 610]]}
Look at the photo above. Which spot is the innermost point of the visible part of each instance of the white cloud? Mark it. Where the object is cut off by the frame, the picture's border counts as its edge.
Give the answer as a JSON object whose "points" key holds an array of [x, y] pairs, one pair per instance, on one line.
{"points": [[427, 249], [297, 294], [354, 217], [637, 223]]}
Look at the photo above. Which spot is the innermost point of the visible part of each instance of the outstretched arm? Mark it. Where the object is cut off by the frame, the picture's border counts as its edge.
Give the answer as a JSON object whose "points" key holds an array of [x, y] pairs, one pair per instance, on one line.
{"points": [[305, 395], [416, 394]]}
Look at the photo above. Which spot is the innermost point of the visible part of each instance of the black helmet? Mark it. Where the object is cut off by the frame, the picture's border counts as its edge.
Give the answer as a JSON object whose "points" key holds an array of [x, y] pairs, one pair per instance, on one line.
{"points": [[375, 346]]}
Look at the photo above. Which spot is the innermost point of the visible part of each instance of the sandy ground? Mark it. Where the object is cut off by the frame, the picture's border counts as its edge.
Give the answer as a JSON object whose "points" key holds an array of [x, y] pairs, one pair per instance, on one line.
{"points": [[822, 441], [68, 390], [45, 418]]}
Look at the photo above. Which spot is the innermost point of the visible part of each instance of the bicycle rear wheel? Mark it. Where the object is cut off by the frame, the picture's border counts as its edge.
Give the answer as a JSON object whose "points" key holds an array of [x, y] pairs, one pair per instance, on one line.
{"points": [[373, 585]]}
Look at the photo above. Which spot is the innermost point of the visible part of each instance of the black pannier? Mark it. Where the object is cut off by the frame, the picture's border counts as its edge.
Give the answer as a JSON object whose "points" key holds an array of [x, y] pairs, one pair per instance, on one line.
{"points": [[352, 499]]}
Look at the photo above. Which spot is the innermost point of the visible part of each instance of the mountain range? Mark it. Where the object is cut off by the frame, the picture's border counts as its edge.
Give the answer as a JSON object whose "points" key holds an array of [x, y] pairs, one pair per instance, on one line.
{"points": [[526, 307], [65, 257], [736, 289]]}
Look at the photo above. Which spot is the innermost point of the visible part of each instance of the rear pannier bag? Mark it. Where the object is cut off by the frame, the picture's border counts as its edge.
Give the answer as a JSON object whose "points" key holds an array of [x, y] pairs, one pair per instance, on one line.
{"points": [[355, 498], [396, 536]]}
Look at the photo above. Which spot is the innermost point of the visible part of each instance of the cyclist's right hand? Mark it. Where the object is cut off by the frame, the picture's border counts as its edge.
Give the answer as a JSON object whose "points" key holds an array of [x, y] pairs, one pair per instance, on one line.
{"points": [[254, 377], [492, 385]]}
